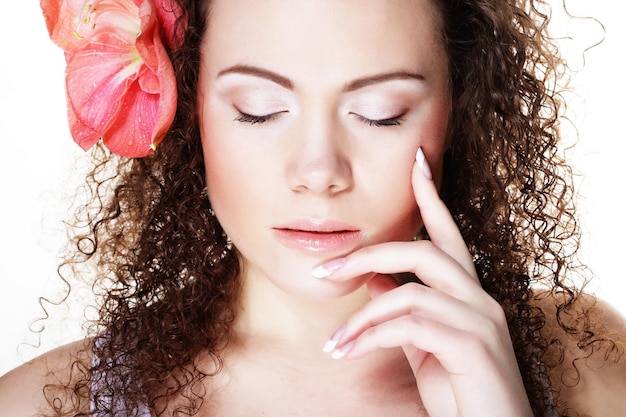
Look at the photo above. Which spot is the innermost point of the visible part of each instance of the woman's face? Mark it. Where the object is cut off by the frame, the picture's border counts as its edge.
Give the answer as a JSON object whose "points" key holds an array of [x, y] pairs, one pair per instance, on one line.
{"points": [[311, 114]]}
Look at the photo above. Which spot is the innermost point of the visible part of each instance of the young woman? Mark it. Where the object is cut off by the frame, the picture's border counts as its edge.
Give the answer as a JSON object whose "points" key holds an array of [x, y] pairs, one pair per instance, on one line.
{"points": [[356, 207]]}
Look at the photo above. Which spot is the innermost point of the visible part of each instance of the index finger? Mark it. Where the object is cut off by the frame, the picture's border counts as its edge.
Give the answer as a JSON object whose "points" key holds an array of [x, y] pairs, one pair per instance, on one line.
{"points": [[438, 221]]}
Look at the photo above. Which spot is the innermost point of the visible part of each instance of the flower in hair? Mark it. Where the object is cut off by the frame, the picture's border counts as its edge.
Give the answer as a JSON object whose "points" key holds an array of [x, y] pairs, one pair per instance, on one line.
{"points": [[120, 83]]}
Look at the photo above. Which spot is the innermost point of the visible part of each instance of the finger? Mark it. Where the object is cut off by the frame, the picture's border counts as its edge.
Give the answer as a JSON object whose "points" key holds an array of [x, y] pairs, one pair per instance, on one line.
{"points": [[437, 219], [433, 267], [410, 330], [416, 299], [433, 383], [467, 360]]}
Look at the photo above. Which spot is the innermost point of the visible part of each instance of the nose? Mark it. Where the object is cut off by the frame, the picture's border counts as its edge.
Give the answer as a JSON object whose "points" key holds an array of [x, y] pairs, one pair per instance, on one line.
{"points": [[319, 161]]}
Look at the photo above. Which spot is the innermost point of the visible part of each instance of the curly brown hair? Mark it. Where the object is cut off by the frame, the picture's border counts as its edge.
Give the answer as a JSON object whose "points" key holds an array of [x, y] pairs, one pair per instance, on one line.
{"points": [[167, 278]]}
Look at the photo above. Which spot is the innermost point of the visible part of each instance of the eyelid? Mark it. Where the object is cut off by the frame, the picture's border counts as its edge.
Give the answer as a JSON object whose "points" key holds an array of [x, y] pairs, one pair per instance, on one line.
{"points": [[254, 119], [383, 102], [256, 100], [389, 121], [378, 108], [260, 106]]}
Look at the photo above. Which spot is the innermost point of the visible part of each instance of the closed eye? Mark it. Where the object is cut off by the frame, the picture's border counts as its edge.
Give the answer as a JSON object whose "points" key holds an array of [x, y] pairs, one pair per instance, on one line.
{"points": [[252, 119], [391, 121]]}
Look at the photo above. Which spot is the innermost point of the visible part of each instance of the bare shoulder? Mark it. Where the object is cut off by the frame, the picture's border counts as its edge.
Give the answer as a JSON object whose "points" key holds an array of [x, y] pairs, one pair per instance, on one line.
{"points": [[591, 380], [22, 389]]}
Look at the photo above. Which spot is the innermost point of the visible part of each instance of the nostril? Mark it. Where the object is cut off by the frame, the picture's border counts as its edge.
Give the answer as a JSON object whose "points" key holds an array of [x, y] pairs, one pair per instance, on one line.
{"points": [[331, 174]]}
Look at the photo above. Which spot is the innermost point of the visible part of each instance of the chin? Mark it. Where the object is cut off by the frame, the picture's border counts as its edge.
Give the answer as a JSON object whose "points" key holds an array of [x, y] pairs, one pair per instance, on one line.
{"points": [[316, 290]]}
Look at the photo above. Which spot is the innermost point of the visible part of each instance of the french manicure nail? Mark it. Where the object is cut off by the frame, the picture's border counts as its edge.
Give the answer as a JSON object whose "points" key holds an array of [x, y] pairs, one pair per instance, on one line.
{"points": [[334, 339], [342, 351], [423, 163], [328, 268]]}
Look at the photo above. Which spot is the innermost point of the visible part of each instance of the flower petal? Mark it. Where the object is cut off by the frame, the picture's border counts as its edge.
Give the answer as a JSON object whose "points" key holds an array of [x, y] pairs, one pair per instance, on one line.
{"points": [[120, 82], [71, 23], [144, 118], [131, 133], [96, 81]]}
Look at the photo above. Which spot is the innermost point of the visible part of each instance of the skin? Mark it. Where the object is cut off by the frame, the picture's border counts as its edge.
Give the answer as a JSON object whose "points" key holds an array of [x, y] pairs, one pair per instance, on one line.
{"points": [[316, 159], [404, 350], [307, 153]]}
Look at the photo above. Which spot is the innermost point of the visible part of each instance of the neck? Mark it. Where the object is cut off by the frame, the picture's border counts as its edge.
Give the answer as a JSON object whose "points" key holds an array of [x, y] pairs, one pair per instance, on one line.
{"points": [[270, 317], [279, 336]]}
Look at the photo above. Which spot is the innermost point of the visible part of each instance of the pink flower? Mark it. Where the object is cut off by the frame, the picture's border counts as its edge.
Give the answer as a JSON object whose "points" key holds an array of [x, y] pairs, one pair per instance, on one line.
{"points": [[120, 82]]}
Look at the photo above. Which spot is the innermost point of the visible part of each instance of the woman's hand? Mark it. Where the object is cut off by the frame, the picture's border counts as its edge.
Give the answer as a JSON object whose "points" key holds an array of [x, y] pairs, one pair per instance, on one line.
{"points": [[453, 333]]}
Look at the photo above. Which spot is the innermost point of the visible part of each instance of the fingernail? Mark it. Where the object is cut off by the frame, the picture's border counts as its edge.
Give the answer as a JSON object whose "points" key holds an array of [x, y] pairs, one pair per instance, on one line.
{"points": [[342, 351], [423, 164], [328, 268], [334, 339]]}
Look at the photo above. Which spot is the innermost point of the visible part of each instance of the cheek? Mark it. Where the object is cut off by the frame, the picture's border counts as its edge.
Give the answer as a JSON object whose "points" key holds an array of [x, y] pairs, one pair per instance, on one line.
{"points": [[235, 192], [407, 221], [389, 197], [227, 170], [222, 171], [394, 170], [434, 138]]}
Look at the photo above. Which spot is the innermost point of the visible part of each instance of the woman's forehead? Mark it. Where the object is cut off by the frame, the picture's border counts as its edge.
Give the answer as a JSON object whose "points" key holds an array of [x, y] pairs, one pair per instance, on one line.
{"points": [[316, 17], [355, 36]]}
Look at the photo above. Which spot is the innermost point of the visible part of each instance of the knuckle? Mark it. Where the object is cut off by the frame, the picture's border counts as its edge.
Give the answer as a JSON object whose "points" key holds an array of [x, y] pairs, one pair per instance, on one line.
{"points": [[496, 313], [411, 324], [374, 337], [413, 289], [412, 321], [427, 246], [475, 346]]}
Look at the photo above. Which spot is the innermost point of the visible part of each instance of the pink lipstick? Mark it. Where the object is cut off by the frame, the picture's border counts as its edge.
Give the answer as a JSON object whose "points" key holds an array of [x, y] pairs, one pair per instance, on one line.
{"points": [[323, 236]]}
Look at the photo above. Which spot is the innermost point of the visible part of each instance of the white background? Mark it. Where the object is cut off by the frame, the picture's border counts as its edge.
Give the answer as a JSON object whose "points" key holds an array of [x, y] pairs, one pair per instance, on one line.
{"points": [[37, 164]]}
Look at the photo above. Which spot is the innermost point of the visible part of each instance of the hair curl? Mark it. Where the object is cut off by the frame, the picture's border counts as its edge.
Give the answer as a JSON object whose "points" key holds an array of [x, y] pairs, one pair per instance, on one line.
{"points": [[152, 235]]}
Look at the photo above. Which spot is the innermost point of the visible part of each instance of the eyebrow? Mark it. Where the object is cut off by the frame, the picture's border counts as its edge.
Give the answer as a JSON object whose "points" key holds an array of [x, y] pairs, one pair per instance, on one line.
{"points": [[381, 78], [351, 86], [258, 72]]}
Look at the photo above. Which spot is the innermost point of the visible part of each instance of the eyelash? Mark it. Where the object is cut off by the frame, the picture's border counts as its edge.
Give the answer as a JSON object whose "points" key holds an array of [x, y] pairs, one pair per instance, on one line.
{"points": [[251, 119], [392, 121]]}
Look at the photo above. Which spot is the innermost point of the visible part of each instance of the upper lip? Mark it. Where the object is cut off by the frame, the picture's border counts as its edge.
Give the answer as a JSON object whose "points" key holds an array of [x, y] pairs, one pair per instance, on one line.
{"points": [[317, 226]]}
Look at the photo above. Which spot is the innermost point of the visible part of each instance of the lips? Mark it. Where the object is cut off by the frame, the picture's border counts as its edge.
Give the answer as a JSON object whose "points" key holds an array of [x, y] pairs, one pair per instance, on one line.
{"points": [[311, 236]]}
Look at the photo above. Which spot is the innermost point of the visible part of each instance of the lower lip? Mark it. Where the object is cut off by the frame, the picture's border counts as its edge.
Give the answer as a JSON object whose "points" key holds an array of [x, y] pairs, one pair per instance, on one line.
{"points": [[318, 242]]}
